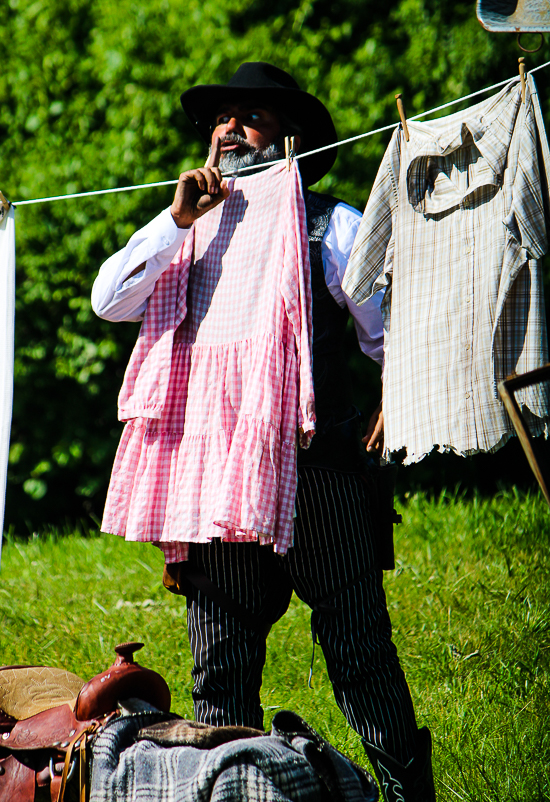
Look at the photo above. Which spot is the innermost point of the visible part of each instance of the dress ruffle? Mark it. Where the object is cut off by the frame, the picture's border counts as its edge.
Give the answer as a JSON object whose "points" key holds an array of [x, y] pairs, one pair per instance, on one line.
{"points": [[222, 440]]}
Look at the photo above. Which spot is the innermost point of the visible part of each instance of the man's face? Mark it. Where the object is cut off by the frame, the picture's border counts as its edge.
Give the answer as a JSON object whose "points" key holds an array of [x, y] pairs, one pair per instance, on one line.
{"points": [[258, 125], [249, 135]]}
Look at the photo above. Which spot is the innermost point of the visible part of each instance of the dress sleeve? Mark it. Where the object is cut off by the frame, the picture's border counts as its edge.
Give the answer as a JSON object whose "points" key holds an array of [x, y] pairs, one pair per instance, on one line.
{"points": [[526, 219], [117, 298]]}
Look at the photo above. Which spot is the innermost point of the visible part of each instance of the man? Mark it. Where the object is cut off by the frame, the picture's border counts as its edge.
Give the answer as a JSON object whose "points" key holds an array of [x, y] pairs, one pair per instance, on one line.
{"points": [[235, 591]]}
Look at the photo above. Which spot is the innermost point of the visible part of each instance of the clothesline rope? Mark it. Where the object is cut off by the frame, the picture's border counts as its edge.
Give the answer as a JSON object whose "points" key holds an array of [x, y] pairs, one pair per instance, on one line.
{"points": [[279, 161]]}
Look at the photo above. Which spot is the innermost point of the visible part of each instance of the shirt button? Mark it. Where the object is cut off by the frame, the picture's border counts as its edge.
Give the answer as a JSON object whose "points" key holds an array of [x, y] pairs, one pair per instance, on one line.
{"points": [[467, 347], [165, 242], [467, 395], [468, 250]]}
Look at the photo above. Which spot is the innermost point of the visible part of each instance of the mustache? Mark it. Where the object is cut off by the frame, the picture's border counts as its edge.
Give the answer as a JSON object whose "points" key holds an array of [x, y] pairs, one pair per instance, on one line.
{"points": [[235, 139]]}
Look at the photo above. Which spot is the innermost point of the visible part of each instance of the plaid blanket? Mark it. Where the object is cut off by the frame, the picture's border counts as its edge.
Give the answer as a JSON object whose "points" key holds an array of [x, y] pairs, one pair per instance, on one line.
{"points": [[286, 766]]}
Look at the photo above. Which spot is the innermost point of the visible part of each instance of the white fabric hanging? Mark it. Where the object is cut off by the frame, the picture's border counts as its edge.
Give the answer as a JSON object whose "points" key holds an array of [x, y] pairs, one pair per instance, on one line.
{"points": [[7, 321]]}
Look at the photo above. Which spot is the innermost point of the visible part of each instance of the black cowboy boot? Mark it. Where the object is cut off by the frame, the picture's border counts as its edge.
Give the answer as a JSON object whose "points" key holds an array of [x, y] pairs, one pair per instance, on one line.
{"points": [[411, 783]]}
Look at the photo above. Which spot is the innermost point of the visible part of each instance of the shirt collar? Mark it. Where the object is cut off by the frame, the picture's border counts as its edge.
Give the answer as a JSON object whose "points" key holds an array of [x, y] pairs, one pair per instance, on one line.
{"points": [[488, 125]]}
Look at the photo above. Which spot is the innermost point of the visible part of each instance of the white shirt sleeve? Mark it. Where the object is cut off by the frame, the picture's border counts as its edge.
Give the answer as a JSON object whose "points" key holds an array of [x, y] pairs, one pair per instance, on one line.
{"points": [[155, 244], [335, 251]]}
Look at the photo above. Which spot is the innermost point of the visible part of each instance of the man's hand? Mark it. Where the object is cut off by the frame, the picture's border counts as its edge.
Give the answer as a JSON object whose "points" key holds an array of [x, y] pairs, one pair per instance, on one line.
{"points": [[199, 190], [374, 438]]}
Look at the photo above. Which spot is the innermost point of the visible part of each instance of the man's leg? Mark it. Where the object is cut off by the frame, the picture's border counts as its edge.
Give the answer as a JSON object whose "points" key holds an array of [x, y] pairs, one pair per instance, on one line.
{"points": [[228, 624], [334, 570]]}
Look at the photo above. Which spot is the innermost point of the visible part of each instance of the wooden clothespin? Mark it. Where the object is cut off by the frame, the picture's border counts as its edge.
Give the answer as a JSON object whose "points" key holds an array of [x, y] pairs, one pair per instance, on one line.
{"points": [[289, 150], [521, 61], [4, 206], [402, 116]]}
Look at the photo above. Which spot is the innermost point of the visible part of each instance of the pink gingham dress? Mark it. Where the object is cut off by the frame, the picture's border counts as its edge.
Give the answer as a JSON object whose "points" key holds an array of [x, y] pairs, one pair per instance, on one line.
{"points": [[220, 379]]}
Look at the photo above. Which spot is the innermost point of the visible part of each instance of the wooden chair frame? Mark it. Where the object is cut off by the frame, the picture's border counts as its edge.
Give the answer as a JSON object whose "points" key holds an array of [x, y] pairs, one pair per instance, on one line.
{"points": [[507, 388]]}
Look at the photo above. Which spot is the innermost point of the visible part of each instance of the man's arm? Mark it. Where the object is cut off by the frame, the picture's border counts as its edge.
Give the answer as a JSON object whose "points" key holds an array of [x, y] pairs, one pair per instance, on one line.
{"points": [[127, 279], [374, 436], [336, 248]]}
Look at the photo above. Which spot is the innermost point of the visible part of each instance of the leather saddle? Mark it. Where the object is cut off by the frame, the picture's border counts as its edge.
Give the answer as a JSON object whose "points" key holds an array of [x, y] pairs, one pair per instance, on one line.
{"points": [[47, 716]]}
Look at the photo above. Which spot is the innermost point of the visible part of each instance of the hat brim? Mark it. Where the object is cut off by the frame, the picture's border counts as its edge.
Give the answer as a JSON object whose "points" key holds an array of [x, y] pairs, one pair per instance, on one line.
{"points": [[201, 103]]}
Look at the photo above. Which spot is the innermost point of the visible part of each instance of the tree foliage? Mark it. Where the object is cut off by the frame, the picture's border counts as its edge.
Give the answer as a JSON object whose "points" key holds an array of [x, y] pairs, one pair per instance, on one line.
{"points": [[90, 100]]}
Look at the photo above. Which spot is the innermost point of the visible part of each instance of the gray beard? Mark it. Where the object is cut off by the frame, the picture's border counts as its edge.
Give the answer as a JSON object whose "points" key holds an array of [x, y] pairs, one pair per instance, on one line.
{"points": [[232, 163]]}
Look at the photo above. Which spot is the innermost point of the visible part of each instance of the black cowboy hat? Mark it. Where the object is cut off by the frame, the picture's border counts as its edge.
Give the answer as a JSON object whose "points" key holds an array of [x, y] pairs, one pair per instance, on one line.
{"points": [[264, 83]]}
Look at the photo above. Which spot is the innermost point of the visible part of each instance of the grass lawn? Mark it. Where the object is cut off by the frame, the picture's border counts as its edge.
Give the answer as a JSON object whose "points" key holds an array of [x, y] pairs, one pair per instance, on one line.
{"points": [[469, 601]]}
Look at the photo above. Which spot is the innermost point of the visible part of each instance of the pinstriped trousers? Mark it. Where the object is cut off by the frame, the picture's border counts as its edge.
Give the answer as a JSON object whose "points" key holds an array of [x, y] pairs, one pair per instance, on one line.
{"points": [[332, 568]]}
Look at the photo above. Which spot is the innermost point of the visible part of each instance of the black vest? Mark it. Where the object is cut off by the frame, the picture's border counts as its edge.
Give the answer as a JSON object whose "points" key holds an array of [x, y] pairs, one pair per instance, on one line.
{"points": [[336, 444]]}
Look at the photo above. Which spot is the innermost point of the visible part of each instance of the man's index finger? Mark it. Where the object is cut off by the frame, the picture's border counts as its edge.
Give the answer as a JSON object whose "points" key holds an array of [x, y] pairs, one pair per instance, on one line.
{"points": [[215, 153]]}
